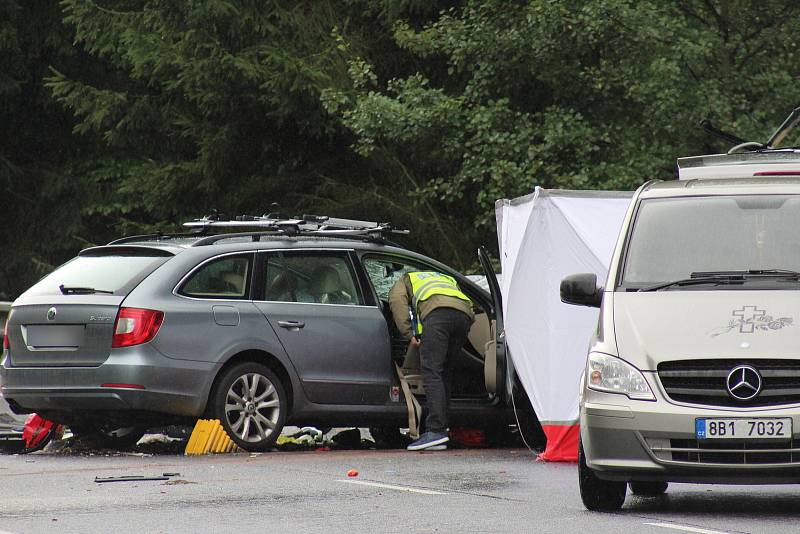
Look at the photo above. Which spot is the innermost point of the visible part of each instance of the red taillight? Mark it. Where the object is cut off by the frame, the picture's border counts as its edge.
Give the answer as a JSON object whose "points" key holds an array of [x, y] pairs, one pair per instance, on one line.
{"points": [[777, 173], [6, 342], [135, 326]]}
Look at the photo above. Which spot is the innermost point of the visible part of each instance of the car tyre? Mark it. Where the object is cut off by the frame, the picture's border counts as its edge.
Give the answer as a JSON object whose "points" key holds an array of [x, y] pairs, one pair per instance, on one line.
{"points": [[251, 404], [648, 489], [598, 494]]}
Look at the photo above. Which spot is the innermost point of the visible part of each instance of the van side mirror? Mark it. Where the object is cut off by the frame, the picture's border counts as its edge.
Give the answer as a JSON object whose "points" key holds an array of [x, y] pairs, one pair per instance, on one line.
{"points": [[581, 289]]}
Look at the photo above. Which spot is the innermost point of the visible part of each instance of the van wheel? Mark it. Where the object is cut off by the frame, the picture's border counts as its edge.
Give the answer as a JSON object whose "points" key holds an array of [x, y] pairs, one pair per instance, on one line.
{"points": [[648, 489], [250, 402], [596, 493]]}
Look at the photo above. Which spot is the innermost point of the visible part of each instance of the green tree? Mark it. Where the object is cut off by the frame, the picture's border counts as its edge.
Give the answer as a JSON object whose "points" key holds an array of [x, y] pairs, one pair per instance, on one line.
{"points": [[216, 104], [41, 204], [419, 112], [587, 94]]}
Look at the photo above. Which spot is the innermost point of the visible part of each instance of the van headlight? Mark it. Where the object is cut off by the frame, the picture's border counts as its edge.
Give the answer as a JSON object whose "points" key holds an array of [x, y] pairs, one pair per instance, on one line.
{"points": [[613, 375]]}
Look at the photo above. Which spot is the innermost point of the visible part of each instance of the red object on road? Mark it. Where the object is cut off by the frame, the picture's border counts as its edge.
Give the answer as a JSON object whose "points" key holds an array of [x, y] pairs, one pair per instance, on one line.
{"points": [[352, 473], [468, 437], [36, 430]]}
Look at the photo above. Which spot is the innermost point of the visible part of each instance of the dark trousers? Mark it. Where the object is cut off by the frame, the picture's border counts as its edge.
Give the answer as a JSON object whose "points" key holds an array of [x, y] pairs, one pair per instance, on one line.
{"points": [[444, 332]]}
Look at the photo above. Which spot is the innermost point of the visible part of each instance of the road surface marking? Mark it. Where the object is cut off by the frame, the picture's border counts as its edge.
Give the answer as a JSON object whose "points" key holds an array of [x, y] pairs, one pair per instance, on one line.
{"points": [[686, 528], [392, 487]]}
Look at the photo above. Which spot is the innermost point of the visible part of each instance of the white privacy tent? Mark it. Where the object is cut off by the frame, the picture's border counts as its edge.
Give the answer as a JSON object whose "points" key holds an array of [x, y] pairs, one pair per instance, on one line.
{"points": [[544, 237]]}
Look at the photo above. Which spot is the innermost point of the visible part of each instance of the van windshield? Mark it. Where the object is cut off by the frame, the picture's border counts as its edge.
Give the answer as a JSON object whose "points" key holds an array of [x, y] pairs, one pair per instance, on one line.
{"points": [[672, 238]]}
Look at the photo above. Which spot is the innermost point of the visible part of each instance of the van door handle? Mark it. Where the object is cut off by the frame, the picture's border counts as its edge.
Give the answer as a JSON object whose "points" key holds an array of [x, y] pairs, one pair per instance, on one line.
{"points": [[291, 325]]}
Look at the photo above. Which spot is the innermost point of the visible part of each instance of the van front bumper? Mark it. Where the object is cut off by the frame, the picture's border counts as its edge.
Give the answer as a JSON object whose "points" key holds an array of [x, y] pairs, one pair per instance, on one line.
{"points": [[628, 440]]}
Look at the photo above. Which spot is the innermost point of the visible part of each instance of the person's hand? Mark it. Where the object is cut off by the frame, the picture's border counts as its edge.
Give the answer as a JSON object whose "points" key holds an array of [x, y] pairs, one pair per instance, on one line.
{"points": [[414, 343]]}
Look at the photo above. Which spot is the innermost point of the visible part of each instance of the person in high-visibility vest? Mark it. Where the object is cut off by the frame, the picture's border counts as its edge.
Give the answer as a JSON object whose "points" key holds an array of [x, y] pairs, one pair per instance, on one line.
{"points": [[443, 315]]}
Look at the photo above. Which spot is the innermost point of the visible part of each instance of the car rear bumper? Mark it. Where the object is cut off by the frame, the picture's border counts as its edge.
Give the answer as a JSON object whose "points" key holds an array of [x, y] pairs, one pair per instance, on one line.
{"points": [[166, 385], [643, 440]]}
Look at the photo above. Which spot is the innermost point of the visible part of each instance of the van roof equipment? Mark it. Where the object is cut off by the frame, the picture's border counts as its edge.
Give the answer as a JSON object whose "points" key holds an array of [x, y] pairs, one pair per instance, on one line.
{"points": [[783, 162], [746, 158]]}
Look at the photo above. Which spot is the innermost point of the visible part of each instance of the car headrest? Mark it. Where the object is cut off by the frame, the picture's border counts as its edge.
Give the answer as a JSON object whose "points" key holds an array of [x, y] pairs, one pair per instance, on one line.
{"points": [[325, 279]]}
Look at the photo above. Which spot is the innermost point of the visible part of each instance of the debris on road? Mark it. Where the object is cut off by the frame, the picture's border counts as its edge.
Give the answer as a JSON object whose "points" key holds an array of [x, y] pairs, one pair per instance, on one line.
{"points": [[349, 439], [352, 473], [128, 478]]}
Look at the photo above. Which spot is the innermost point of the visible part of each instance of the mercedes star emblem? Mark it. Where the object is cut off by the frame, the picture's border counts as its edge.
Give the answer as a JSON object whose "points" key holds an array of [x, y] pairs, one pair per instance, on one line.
{"points": [[51, 314], [743, 382]]}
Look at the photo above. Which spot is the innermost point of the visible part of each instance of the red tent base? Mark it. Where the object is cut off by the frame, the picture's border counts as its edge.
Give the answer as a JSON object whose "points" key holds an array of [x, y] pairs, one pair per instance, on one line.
{"points": [[562, 443]]}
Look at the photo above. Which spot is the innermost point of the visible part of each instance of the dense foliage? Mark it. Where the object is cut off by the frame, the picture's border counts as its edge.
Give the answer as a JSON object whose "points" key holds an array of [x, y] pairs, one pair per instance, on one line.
{"points": [[132, 115]]}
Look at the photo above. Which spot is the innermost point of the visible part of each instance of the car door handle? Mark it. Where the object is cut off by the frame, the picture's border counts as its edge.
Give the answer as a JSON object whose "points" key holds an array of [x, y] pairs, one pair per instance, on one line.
{"points": [[290, 325]]}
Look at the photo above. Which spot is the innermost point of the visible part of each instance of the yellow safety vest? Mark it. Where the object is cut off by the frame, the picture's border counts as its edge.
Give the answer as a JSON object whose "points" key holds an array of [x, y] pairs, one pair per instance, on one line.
{"points": [[425, 284]]}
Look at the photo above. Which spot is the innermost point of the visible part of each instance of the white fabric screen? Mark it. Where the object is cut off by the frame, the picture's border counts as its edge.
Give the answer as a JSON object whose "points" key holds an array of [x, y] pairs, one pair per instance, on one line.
{"points": [[543, 238]]}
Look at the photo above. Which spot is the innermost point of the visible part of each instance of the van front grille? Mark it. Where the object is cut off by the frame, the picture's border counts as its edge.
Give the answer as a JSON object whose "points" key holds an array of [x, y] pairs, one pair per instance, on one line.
{"points": [[704, 381], [743, 453]]}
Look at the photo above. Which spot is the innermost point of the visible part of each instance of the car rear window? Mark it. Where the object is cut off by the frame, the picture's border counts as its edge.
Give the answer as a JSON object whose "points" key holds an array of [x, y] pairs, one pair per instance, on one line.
{"points": [[117, 274]]}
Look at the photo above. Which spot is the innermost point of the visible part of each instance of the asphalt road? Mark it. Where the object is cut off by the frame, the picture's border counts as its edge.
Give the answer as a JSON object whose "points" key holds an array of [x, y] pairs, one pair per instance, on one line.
{"points": [[500, 490]]}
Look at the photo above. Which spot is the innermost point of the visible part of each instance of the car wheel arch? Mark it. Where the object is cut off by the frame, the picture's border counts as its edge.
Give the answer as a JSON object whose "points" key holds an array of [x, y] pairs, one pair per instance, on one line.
{"points": [[260, 356]]}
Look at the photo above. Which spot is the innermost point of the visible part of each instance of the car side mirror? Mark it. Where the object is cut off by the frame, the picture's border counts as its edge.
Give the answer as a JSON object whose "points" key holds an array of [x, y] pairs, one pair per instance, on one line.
{"points": [[581, 290]]}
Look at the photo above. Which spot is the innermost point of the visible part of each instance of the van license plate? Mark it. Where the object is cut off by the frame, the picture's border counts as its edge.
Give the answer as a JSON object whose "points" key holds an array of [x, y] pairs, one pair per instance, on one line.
{"points": [[761, 428]]}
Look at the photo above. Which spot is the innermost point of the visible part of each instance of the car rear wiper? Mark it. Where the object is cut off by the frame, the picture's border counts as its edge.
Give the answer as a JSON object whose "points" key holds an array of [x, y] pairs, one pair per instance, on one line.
{"points": [[82, 290], [697, 280]]}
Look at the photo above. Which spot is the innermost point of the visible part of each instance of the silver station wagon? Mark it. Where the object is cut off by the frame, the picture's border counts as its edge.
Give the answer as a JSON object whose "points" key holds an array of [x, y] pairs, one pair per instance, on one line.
{"points": [[257, 322]]}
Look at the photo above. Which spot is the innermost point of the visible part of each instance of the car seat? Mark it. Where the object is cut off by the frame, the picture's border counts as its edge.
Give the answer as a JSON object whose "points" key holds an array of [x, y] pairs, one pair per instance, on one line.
{"points": [[326, 286], [234, 282]]}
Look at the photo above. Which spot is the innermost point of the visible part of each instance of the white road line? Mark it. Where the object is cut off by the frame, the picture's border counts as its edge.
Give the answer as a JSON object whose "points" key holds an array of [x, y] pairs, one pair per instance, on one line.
{"points": [[686, 528], [392, 487]]}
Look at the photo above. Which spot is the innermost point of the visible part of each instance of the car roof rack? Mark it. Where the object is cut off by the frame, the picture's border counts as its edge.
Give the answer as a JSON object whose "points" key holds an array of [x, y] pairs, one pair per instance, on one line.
{"points": [[151, 237], [280, 225]]}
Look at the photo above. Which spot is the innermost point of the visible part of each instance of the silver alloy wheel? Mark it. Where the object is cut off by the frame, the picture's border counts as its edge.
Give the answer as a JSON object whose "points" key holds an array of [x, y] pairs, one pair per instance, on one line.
{"points": [[252, 407]]}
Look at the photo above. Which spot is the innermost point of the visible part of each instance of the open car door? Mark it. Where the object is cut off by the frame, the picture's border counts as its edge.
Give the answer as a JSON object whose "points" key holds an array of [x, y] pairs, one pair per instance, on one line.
{"points": [[495, 353]]}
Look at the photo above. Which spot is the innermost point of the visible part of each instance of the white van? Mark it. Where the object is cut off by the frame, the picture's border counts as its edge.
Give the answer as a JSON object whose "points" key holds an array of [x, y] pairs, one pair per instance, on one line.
{"points": [[693, 373]]}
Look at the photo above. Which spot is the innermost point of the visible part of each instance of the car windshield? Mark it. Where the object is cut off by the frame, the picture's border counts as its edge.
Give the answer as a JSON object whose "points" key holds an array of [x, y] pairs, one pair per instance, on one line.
{"points": [[676, 239], [97, 274]]}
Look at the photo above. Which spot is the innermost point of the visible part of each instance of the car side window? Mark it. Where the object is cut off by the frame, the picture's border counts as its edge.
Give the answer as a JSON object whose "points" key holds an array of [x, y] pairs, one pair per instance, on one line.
{"points": [[383, 272], [312, 277], [226, 278]]}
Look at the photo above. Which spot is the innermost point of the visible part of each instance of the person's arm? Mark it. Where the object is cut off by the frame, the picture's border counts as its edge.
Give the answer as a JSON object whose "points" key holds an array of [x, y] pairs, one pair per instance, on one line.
{"points": [[399, 302]]}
